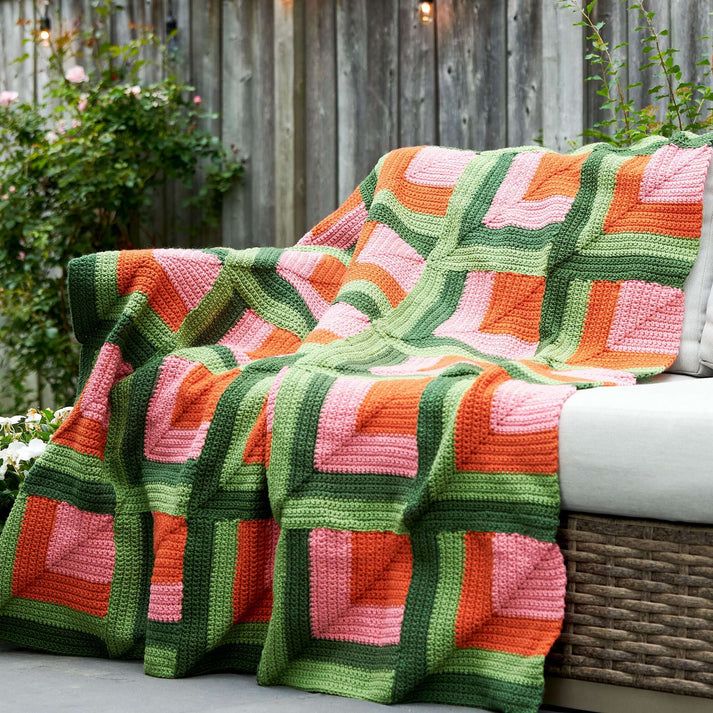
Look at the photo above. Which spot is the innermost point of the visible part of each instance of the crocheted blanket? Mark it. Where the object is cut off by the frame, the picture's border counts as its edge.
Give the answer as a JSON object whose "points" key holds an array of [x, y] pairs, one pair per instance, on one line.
{"points": [[335, 465]]}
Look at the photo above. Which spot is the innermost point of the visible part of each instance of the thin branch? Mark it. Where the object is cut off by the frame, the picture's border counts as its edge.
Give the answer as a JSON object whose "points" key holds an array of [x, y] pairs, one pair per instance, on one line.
{"points": [[611, 68], [667, 74]]}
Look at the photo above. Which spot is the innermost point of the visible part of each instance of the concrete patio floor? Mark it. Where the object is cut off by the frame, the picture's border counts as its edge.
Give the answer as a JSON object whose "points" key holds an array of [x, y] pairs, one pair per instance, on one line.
{"points": [[39, 683]]}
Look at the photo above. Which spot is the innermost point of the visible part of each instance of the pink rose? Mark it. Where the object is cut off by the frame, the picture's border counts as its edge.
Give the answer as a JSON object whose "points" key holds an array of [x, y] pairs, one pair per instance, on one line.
{"points": [[7, 98], [76, 74], [197, 100], [82, 103], [133, 91], [12, 189]]}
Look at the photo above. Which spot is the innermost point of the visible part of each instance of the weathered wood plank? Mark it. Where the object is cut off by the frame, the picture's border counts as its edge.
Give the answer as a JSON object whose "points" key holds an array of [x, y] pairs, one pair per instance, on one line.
{"points": [[562, 77], [524, 57], [248, 120], [691, 35], [43, 50], [16, 23], [206, 20], [177, 220], [648, 77], [351, 91], [472, 73], [367, 86], [141, 16], [614, 15], [417, 78], [137, 18], [82, 16], [289, 121], [382, 100], [321, 110]]}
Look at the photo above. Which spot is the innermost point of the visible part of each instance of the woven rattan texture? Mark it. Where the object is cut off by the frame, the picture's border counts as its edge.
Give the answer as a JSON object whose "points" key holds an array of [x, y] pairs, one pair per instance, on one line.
{"points": [[639, 604]]}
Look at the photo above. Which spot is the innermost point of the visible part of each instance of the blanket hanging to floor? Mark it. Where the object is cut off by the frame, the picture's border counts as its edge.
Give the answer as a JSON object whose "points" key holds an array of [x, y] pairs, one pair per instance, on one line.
{"points": [[335, 465]]}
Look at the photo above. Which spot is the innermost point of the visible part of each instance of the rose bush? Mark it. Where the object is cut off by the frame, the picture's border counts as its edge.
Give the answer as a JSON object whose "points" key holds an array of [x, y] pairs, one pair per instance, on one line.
{"points": [[79, 171]]}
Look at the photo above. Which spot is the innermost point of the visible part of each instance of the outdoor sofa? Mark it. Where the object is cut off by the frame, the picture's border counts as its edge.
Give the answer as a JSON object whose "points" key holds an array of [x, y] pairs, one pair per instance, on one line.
{"points": [[636, 476]]}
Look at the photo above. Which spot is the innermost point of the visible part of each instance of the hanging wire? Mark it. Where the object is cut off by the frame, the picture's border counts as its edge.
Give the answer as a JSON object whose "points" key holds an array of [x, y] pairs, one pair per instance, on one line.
{"points": [[171, 29]]}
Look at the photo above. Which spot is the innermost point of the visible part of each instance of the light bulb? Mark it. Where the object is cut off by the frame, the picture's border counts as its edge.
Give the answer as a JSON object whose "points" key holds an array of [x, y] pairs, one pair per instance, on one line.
{"points": [[425, 11], [45, 27]]}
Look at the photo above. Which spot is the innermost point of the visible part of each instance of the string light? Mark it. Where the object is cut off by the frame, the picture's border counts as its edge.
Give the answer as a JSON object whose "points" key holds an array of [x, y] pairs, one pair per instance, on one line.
{"points": [[45, 24], [425, 11]]}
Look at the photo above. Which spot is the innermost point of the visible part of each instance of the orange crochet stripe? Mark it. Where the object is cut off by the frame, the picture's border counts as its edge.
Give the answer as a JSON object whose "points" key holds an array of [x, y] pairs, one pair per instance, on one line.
{"points": [[432, 200], [629, 214], [138, 271]]}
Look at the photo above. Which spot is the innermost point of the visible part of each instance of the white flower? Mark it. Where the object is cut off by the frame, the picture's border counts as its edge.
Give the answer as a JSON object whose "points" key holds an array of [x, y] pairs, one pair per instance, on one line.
{"points": [[18, 452], [9, 421], [13, 453], [35, 448], [51, 137], [32, 420], [133, 91], [60, 415]]}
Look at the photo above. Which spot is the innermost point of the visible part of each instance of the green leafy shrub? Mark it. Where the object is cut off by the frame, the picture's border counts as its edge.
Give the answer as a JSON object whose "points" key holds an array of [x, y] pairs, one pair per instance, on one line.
{"points": [[79, 170], [684, 103], [23, 439]]}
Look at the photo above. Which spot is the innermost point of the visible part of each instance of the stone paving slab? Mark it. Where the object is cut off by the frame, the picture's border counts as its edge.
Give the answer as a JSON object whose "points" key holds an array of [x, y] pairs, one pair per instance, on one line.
{"points": [[40, 683]]}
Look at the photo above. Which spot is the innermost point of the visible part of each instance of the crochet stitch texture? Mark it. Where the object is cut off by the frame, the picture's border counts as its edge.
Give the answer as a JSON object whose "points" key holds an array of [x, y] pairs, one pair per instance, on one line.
{"points": [[335, 465]]}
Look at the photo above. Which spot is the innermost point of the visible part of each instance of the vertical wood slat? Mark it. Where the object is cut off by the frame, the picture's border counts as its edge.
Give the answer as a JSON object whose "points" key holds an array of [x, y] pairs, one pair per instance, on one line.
{"points": [[147, 15], [320, 58], [524, 67], [248, 120], [351, 92], [562, 77], [177, 219], [418, 99], [16, 23], [472, 73], [206, 35], [42, 51], [367, 86], [289, 121], [80, 15], [648, 77], [691, 35], [126, 25], [614, 15]]}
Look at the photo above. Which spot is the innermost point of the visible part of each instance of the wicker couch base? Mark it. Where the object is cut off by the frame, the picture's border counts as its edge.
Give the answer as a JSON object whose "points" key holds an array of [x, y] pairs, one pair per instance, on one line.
{"points": [[639, 605], [576, 695]]}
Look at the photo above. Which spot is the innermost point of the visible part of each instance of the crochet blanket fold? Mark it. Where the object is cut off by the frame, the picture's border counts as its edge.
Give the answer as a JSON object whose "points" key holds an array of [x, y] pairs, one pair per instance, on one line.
{"points": [[335, 465]]}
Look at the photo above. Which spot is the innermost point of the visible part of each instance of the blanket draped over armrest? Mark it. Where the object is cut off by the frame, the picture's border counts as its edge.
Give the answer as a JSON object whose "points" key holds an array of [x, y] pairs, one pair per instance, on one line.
{"points": [[335, 465]]}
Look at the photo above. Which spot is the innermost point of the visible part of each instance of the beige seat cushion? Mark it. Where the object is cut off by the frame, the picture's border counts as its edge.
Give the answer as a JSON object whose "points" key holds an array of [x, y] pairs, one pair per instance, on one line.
{"points": [[697, 336], [640, 451]]}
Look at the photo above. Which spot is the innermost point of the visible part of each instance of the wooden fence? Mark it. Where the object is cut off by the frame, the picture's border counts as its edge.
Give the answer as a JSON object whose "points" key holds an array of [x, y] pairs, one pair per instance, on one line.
{"points": [[314, 91]]}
